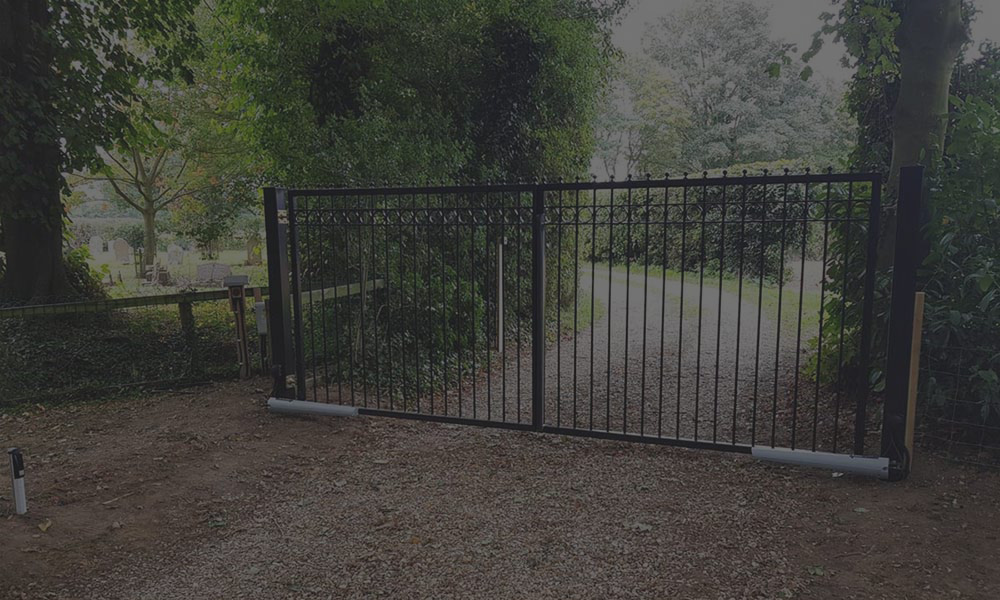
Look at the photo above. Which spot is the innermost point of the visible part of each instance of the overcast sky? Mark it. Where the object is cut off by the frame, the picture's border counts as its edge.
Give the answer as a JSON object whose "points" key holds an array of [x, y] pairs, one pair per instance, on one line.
{"points": [[792, 21]]}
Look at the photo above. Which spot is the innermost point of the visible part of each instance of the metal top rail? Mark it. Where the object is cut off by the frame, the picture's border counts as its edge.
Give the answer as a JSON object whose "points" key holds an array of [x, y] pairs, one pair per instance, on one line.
{"points": [[632, 183]]}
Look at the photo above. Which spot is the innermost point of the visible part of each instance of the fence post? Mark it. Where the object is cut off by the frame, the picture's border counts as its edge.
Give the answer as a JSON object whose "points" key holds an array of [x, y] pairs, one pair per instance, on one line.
{"points": [[538, 309], [278, 281], [906, 261]]}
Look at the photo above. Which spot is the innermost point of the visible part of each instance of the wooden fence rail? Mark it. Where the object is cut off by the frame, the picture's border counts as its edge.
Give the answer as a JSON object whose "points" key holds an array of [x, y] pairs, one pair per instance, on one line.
{"points": [[339, 292]]}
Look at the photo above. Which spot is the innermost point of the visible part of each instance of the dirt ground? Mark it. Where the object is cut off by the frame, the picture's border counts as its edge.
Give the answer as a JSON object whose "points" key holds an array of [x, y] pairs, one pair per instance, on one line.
{"points": [[203, 494]]}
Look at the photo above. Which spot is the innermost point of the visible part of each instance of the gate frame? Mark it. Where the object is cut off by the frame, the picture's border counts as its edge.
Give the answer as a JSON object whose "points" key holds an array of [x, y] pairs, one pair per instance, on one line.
{"points": [[285, 319]]}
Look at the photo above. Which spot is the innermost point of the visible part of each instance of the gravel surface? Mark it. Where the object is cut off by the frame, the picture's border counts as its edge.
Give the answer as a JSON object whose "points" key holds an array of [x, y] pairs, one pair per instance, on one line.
{"points": [[205, 495], [621, 374]]}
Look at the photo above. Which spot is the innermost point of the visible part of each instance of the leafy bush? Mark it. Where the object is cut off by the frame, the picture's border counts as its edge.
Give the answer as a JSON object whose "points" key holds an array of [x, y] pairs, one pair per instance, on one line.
{"points": [[962, 272]]}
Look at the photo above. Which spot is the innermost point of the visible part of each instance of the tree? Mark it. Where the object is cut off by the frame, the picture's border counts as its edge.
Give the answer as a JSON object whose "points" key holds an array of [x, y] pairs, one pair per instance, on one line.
{"points": [[741, 109], [182, 145], [907, 60], [148, 171], [68, 68], [416, 90], [903, 53], [642, 122]]}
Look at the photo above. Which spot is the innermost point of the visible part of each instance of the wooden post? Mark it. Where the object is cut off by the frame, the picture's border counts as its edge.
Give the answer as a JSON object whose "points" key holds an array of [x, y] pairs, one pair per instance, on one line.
{"points": [[260, 315], [236, 286], [911, 403]]}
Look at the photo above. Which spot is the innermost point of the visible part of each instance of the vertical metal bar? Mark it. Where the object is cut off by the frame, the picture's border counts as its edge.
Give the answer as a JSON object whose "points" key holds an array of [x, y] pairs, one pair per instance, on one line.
{"points": [[701, 298], [323, 306], [611, 262], [350, 311], [798, 332], [663, 298], [307, 214], [501, 308], [576, 298], [867, 315], [428, 290], [300, 363], [593, 291], [473, 301], [490, 211], [520, 314], [460, 355], [362, 268], [445, 371], [907, 259], [628, 297], [718, 320], [680, 310], [559, 278], [278, 281], [338, 333], [373, 207], [387, 226], [848, 226], [739, 304], [777, 326], [538, 309], [414, 296], [645, 303], [822, 307], [760, 310]]}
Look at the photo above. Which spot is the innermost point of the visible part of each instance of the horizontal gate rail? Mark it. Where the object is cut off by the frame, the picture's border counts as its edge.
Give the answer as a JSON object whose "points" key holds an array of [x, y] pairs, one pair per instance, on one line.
{"points": [[630, 184]]}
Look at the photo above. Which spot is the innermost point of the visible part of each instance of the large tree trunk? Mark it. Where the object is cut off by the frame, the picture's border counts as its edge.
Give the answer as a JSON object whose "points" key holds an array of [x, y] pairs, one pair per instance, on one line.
{"points": [[33, 247], [30, 202], [930, 37], [149, 236]]}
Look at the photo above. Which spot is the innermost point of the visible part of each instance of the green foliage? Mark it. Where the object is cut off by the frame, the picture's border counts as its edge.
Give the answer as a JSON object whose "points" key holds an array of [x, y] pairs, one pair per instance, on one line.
{"points": [[868, 29], [133, 233], [79, 71], [415, 90], [642, 122], [753, 234], [741, 105], [83, 279], [962, 271], [70, 71], [112, 352]]}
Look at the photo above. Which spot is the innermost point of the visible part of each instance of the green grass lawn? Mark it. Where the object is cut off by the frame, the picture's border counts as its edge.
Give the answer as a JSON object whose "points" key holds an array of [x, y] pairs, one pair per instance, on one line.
{"points": [[769, 297], [583, 314]]}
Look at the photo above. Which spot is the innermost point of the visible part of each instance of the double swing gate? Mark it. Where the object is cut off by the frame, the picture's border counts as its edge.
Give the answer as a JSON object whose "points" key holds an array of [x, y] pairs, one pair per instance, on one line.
{"points": [[731, 313]]}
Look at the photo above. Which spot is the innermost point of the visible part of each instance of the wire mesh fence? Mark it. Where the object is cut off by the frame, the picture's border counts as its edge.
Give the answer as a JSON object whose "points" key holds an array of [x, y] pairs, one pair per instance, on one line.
{"points": [[959, 405]]}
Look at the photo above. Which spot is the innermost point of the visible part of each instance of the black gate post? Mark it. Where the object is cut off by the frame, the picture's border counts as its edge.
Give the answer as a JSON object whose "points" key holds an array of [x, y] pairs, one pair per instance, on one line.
{"points": [[907, 258], [538, 309], [279, 310]]}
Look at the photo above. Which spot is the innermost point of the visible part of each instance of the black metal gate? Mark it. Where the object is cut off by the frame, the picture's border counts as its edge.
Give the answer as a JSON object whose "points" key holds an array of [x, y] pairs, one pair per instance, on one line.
{"points": [[709, 312]]}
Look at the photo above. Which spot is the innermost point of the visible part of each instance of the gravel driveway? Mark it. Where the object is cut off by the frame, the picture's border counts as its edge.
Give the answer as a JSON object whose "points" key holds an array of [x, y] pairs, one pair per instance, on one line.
{"points": [[639, 370], [203, 494]]}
